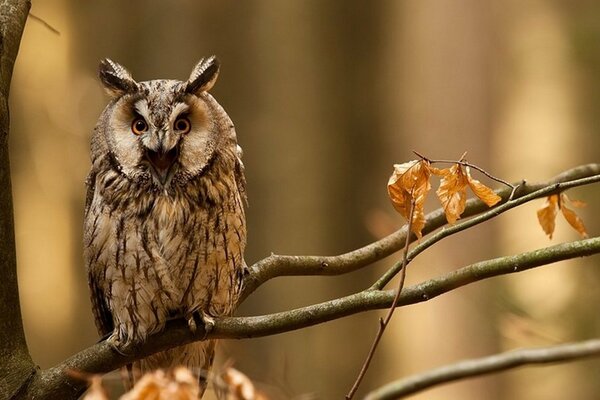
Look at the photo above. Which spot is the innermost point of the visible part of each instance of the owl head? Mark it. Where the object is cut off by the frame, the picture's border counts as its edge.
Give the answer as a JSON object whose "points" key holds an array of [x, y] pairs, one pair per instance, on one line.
{"points": [[163, 132]]}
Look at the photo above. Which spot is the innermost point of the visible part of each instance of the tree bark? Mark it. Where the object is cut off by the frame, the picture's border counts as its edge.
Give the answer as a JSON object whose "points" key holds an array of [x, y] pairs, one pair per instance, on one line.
{"points": [[17, 365]]}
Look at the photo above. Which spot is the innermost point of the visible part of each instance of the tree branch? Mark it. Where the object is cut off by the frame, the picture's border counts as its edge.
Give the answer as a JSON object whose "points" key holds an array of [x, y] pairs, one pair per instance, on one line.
{"points": [[487, 365], [101, 358], [16, 365], [281, 265], [491, 213]]}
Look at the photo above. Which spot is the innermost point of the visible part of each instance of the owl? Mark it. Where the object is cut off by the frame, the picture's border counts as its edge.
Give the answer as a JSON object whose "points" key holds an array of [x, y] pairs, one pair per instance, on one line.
{"points": [[165, 229]]}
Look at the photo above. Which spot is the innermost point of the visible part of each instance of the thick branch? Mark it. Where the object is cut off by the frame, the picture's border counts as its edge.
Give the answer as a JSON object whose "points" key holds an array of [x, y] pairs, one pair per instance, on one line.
{"points": [[16, 365], [101, 358], [281, 265], [486, 365]]}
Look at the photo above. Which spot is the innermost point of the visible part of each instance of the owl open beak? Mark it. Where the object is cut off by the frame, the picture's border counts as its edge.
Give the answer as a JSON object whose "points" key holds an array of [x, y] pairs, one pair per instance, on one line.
{"points": [[161, 163]]}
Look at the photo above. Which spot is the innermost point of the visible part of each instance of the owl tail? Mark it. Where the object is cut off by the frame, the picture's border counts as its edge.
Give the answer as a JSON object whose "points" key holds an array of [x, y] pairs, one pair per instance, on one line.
{"points": [[198, 357]]}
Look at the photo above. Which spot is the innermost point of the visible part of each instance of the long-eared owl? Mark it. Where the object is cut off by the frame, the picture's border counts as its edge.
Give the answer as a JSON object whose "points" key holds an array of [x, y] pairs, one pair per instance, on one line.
{"points": [[165, 227]]}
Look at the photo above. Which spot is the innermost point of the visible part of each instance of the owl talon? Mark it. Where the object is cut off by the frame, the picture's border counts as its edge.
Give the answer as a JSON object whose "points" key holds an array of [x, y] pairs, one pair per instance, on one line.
{"points": [[201, 317], [191, 321], [209, 322], [116, 344]]}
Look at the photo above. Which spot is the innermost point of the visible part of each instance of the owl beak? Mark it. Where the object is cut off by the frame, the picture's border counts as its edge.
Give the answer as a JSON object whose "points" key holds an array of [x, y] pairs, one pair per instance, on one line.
{"points": [[161, 163]]}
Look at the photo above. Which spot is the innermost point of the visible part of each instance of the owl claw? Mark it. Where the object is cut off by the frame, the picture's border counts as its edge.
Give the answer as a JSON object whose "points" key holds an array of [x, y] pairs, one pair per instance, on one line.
{"points": [[209, 322], [204, 318], [192, 324], [116, 344]]}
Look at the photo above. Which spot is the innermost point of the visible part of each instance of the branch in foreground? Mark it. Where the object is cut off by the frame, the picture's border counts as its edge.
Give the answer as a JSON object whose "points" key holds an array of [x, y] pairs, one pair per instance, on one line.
{"points": [[486, 365], [281, 265], [101, 358]]}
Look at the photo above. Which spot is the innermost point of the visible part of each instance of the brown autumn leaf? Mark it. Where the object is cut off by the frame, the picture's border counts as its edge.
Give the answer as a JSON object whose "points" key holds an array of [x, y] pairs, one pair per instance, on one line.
{"points": [[453, 192], [96, 390], [484, 193], [572, 218], [409, 184], [179, 384], [547, 215], [237, 386]]}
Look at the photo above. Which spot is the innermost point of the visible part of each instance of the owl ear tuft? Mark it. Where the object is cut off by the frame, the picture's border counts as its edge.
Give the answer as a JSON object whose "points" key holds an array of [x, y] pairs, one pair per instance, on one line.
{"points": [[203, 76], [115, 78]]}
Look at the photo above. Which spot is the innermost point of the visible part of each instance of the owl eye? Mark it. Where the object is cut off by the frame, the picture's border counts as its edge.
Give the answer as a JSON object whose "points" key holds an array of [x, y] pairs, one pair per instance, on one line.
{"points": [[182, 124], [139, 126]]}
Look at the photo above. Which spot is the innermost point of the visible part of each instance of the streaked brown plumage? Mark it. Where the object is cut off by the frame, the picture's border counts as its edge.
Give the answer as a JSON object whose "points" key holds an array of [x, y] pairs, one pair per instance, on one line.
{"points": [[165, 227]]}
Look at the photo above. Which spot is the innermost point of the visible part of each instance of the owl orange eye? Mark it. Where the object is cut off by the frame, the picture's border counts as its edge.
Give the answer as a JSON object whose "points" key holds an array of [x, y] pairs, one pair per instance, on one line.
{"points": [[182, 125], [139, 126]]}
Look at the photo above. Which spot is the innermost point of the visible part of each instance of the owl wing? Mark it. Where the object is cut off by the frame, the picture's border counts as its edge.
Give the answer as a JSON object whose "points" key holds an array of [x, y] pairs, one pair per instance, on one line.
{"points": [[102, 313], [240, 179], [90, 183]]}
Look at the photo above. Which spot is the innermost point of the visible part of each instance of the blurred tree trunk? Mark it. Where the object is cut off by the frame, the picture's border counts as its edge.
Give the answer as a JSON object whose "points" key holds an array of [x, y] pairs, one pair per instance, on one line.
{"points": [[541, 117], [16, 363]]}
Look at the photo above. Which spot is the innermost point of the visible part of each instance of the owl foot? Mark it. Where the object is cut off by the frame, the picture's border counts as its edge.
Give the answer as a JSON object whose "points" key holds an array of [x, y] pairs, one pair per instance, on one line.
{"points": [[116, 344], [204, 319]]}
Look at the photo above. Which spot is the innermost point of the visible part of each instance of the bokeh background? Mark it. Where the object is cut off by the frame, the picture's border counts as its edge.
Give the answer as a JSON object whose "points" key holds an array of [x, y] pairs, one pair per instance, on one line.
{"points": [[326, 96]]}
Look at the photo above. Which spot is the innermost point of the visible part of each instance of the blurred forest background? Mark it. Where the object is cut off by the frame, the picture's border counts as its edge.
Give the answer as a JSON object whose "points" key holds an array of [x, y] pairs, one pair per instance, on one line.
{"points": [[326, 96]]}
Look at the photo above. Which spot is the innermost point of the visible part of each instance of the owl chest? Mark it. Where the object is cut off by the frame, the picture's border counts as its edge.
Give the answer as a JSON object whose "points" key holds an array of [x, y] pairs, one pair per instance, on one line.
{"points": [[172, 258]]}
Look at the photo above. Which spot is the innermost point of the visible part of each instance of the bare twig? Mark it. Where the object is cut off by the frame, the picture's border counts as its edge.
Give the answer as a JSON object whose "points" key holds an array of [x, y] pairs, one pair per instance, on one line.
{"points": [[282, 265], [45, 23], [102, 358], [384, 322], [487, 365], [465, 163]]}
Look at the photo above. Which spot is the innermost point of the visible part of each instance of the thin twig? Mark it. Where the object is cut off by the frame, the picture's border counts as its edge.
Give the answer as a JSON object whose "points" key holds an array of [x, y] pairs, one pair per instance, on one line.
{"points": [[43, 22], [384, 322], [468, 164], [487, 365]]}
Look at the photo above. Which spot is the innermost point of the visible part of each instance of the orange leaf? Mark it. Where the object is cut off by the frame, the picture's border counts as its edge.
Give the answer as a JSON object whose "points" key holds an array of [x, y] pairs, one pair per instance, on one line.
{"points": [[575, 203], [453, 192], [547, 215], [178, 384], [484, 193], [239, 386], [96, 390], [572, 218], [409, 184], [439, 172]]}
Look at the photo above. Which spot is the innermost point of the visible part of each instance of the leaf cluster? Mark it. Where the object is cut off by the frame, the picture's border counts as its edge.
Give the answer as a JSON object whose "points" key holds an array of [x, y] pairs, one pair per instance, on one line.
{"points": [[410, 183]]}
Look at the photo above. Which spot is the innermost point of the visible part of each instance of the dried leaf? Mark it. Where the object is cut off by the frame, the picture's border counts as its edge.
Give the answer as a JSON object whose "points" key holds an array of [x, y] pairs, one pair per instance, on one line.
{"points": [[237, 386], [438, 171], [547, 215], [453, 192], [96, 390], [572, 218], [180, 384], [148, 387], [484, 193], [410, 183], [575, 203]]}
